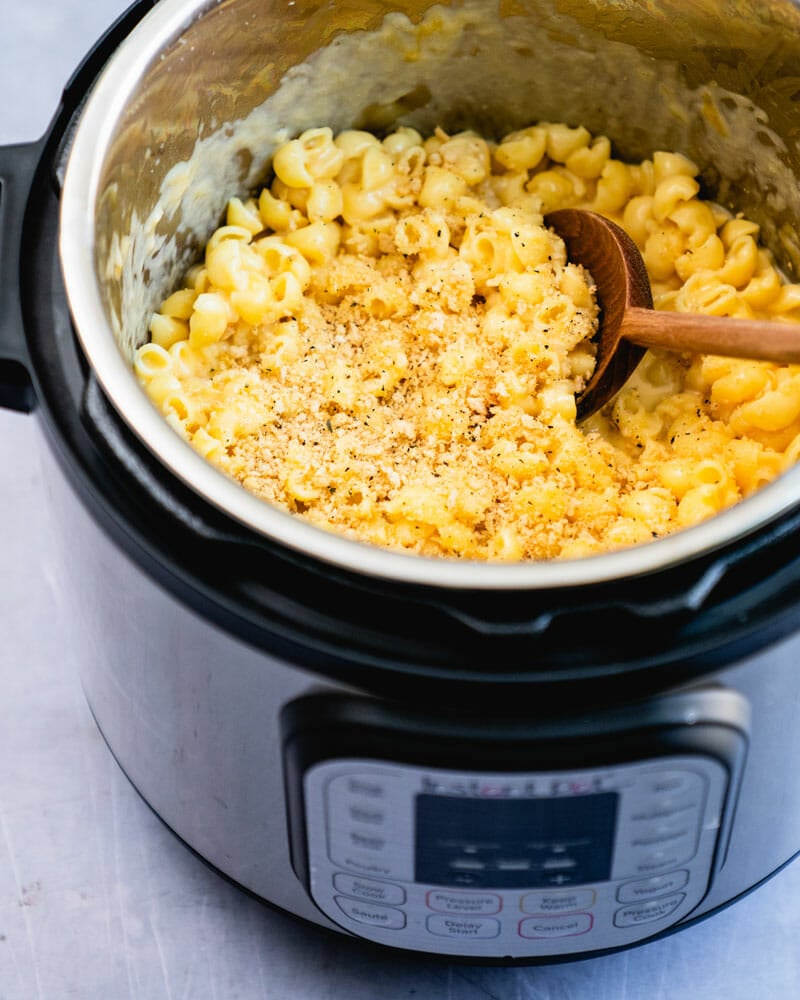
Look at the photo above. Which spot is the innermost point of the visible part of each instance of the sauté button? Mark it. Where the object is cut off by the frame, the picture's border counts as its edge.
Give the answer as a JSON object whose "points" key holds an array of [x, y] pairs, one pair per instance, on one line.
{"points": [[372, 913]]}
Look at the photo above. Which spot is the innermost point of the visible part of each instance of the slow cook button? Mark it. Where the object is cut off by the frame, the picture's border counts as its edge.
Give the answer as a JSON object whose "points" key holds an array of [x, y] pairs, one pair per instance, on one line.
{"points": [[651, 888], [369, 889], [645, 913], [463, 902], [556, 927], [558, 902], [372, 913], [463, 927]]}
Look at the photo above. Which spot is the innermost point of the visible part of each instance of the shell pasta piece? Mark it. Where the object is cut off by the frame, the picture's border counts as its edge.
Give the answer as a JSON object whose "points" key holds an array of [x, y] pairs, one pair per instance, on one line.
{"points": [[387, 341]]}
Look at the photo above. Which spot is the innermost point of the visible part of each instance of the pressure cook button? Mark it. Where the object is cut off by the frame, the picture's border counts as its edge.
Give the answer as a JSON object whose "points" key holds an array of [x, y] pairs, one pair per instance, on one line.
{"points": [[463, 902], [462, 927], [556, 926], [652, 888], [372, 913], [369, 889], [558, 902], [645, 913]]}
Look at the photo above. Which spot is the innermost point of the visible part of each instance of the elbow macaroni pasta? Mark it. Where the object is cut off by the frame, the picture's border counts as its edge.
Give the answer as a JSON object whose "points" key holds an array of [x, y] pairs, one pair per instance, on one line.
{"points": [[387, 341]]}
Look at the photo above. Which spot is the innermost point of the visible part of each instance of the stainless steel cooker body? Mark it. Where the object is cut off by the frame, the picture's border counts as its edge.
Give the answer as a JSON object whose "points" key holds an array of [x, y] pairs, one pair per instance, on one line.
{"points": [[201, 721], [526, 762]]}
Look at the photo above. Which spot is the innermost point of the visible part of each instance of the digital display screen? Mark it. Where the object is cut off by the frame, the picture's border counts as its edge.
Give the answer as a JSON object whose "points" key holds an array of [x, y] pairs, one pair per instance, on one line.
{"points": [[514, 843]]}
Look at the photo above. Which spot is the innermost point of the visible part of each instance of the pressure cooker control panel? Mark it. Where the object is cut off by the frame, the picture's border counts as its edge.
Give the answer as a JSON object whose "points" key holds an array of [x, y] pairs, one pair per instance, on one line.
{"points": [[498, 864], [517, 863]]}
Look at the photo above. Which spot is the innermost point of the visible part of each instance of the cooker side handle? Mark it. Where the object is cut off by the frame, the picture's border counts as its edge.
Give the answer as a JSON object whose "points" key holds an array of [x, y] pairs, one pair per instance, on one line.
{"points": [[17, 167]]}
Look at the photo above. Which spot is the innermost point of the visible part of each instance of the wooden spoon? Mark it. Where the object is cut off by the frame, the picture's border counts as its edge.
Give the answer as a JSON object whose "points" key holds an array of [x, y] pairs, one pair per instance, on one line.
{"points": [[628, 322]]}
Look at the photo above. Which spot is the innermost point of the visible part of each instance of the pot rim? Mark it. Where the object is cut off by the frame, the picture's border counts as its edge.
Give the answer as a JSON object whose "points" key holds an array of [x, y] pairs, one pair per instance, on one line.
{"points": [[103, 108]]}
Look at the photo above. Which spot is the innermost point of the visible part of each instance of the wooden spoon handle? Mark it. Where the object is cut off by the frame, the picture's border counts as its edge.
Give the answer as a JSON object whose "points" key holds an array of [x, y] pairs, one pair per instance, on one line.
{"points": [[735, 338]]}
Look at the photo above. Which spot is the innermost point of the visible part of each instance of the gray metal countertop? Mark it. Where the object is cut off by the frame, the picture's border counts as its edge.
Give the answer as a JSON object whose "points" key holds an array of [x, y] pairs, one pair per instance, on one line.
{"points": [[99, 901]]}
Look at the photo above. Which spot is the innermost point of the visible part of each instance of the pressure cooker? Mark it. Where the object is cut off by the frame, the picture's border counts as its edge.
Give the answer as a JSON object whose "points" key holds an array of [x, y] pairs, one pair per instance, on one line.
{"points": [[514, 762]]}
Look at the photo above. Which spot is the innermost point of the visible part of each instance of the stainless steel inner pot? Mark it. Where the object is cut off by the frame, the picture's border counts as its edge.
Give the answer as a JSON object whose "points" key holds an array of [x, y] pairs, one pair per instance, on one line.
{"points": [[191, 107]]}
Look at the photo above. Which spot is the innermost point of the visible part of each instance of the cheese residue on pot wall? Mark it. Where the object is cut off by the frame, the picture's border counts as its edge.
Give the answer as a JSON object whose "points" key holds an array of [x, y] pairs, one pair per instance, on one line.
{"points": [[460, 66], [386, 341]]}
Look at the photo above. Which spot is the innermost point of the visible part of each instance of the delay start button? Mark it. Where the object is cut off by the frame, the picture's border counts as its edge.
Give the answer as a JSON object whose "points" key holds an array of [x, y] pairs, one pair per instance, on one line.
{"points": [[463, 927]]}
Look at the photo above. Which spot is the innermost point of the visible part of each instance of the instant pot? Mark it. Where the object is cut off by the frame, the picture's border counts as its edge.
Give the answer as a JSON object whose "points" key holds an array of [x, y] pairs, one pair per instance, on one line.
{"points": [[532, 761]]}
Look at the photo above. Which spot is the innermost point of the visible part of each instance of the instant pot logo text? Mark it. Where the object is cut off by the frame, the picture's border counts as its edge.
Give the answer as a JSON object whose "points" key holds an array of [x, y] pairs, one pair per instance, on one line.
{"points": [[520, 788]]}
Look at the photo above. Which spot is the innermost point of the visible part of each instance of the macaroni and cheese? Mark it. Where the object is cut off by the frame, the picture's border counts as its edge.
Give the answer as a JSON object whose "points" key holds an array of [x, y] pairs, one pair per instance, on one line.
{"points": [[387, 341]]}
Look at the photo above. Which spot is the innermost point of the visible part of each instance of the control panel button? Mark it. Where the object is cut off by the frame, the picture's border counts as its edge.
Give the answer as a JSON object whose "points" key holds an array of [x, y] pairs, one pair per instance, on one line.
{"points": [[369, 889], [651, 888], [661, 834], [645, 913], [674, 781], [556, 926], [368, 826], [558, 902], [363, 814], [371, 867], [362, 786], [463, 902], [372, 913], [656, 862], [673, 808], [463, 927]]}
